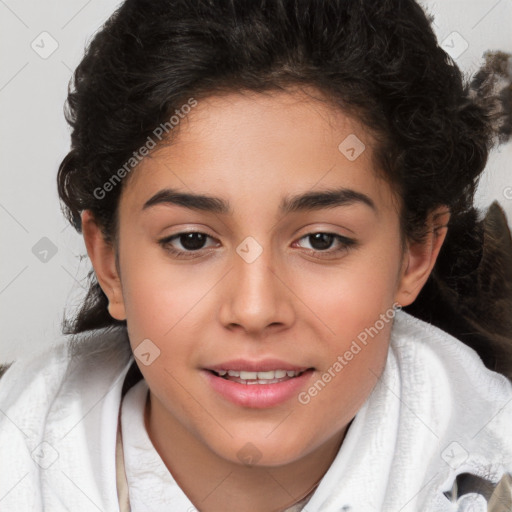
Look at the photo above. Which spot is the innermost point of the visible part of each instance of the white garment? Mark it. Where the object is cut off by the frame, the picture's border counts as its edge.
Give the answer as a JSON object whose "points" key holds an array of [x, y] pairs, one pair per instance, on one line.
{"points": [[150, 484], [435, 412]]}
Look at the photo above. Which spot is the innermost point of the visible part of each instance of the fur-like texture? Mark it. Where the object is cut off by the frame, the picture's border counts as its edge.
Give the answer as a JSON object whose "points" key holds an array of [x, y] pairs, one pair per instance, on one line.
{"points": [[469, 293]]}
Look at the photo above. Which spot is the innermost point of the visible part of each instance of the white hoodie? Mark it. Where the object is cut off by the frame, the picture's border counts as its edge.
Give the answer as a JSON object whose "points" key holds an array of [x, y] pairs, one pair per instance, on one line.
{"points": [[435, 413]]}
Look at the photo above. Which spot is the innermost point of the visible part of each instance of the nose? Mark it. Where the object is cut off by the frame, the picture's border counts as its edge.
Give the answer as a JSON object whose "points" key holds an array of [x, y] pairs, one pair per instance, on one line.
{"points": [[256, 296]]}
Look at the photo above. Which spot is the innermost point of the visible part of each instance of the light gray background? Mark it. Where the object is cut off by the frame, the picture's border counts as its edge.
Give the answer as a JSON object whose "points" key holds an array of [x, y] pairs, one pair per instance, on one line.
{"points": [[34, 139]]}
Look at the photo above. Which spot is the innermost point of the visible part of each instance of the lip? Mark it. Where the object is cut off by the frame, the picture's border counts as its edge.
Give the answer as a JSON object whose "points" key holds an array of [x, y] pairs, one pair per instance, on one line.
{"points": [[257, 366], [258, 396]]}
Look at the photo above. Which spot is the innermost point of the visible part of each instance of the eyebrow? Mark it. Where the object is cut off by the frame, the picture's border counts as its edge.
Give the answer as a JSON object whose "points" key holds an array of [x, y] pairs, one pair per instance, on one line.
{"points": [[314, 200]]}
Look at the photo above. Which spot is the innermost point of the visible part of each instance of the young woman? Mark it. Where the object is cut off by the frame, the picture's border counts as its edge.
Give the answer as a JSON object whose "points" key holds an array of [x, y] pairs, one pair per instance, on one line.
{"points": [[262, 187]]}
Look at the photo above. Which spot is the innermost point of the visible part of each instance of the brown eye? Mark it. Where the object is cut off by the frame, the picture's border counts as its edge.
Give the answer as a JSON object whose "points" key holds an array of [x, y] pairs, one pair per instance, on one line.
{"points": [[321, 242], [191, 242]]}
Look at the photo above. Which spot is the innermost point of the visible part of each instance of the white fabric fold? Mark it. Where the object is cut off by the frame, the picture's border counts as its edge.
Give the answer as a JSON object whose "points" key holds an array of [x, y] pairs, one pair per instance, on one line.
{"points": [[434, 413], [151, 485]]}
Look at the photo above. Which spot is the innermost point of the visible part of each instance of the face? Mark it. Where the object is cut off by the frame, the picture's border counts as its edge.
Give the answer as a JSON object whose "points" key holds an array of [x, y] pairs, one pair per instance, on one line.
{"points": [[259, 279]]}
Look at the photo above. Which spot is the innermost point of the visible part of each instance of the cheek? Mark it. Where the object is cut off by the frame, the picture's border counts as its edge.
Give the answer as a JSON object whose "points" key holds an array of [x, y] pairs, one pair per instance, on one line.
{"points": [[350, 297], [159, 295], [162, 302], [354, 305]]}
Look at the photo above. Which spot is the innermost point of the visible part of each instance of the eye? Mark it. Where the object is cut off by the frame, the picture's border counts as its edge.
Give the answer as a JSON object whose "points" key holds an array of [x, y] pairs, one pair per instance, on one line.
{"points": [[322, 241], [191, 241], [194, 242]]}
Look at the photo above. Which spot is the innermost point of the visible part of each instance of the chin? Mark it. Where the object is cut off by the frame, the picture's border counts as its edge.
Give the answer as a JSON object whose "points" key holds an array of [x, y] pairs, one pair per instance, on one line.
{"points": [[259, 452]]}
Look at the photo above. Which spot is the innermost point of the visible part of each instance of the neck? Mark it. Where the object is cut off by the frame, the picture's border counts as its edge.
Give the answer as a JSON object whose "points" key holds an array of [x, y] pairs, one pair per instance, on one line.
{"points": [[211, 481]]}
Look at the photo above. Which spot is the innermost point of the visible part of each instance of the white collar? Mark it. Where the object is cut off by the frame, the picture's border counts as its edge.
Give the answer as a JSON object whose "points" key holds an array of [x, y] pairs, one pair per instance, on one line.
{"points": [[151, 485]]}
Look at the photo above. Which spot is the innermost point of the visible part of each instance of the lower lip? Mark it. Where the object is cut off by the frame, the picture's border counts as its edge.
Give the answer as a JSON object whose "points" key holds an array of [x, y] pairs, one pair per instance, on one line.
{"points": [[258, 396]]}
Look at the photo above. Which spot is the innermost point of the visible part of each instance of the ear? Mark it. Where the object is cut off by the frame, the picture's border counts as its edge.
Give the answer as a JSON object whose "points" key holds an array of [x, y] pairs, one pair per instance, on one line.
{"points": [[103, 258], [420, 257]]}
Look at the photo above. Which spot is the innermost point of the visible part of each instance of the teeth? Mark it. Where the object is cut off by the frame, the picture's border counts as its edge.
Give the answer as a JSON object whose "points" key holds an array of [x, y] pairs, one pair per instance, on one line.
{"points": [[248, 375], [257, 376]]}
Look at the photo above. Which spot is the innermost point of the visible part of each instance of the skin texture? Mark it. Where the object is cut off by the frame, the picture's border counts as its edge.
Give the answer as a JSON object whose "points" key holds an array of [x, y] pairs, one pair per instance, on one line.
{"points": [[292, 302]]}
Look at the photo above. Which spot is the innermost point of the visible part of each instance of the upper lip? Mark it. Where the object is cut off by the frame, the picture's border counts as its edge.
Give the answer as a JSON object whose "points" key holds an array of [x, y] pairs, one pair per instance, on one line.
{"points": [[257, 366]]}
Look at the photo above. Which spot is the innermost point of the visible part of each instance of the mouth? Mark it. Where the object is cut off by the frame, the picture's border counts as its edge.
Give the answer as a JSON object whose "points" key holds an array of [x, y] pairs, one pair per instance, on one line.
{"points": [[260, 377], [261, 389]]}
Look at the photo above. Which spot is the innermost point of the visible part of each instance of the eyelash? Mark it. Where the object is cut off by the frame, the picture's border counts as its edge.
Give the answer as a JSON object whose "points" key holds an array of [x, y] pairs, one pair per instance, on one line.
{"points": [[346, 245]]}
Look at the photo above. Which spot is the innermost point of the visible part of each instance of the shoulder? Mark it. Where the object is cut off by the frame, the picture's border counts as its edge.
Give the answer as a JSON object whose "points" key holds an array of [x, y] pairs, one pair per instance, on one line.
{"points": [[468, 404], [40, 375], [464, 398], [32, 372], [412, 333], [445, 386], [429, 352], [59, 409]]}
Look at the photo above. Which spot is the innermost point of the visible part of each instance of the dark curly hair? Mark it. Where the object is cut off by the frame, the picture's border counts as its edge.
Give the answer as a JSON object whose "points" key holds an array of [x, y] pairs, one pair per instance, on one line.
{"points": [[379, 62]]}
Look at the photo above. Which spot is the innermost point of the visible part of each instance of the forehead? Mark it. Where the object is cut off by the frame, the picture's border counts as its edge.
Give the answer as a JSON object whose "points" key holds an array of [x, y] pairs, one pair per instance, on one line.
{"points": [[252, 145]]}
